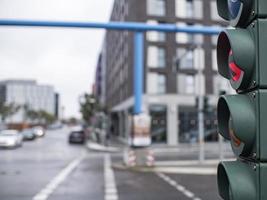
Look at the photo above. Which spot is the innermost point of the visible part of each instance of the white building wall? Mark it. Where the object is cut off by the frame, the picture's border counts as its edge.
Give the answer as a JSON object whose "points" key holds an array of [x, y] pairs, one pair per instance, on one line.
{"points": [[37, 97]]}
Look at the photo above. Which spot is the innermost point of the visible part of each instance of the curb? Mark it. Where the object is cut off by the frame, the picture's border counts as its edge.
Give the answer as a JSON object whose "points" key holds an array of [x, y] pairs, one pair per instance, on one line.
{"points": [[100, 148], [188, 170]]}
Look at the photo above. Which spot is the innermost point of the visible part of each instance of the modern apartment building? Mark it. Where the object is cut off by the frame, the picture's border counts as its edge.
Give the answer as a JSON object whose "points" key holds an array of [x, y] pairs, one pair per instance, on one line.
{"points": [[100, 75], [27, 92], [171, 65]]}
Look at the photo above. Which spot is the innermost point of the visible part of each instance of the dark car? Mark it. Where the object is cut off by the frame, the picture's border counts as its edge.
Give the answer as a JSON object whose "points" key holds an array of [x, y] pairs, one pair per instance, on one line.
{"points": [[28, 134], [77, 137]]}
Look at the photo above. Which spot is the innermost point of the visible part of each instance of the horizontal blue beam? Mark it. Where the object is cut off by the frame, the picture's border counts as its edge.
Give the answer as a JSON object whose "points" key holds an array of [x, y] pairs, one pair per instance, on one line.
{"points": [[123, 26]]}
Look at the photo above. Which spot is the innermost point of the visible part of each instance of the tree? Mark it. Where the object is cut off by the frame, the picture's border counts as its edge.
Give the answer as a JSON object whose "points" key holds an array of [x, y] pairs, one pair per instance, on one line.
{"points": [[88, 106], [46, 117], [40, 116], [7, 110]]}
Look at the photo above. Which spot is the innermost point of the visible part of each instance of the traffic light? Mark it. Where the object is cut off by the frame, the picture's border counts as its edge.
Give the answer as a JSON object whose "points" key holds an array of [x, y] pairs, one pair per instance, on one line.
{"points": [[241, 53], [240, 13], [242, 59]]}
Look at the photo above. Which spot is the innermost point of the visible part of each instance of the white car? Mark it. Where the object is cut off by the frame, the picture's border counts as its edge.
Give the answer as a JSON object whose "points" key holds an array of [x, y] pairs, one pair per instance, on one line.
{"points": [[38, 131], [10, 138]]}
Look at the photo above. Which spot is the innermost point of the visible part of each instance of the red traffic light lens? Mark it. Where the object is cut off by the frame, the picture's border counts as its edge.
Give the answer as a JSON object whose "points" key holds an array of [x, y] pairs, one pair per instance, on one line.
{"points": [[235, 71]]}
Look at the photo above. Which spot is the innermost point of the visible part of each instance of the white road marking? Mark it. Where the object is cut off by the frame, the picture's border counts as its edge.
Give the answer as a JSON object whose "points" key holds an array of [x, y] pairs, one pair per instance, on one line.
{"points": [[178, 187], [111, 192], [56, 181]]}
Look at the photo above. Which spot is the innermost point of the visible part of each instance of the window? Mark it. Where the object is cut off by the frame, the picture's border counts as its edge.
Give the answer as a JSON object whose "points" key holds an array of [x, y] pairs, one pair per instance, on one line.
{"points": [[221, 84], [188, 38], [156, 57], [156, 83], [156, 7], [186, 60], [214, 60], [158, 115], [154, 36], [214, 38], [183, 37], [161, 82], [186, 84], [189, 59], [189, 9], [217, 81]]}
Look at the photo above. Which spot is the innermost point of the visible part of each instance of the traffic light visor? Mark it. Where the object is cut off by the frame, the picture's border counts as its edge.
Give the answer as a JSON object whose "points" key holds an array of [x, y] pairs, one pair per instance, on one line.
{"points": [[236, 122], [236, 180], [235, 56], [236, 11]]}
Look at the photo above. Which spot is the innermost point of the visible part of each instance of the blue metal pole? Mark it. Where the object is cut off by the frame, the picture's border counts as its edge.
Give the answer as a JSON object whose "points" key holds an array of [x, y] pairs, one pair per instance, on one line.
{"points": [[138, 71], [126, 26]]}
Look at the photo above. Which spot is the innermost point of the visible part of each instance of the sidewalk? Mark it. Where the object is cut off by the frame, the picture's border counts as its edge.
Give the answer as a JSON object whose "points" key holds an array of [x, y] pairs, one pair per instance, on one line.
{"points": [[113, 146], [93, 146], [180, 159], [192, 167]]}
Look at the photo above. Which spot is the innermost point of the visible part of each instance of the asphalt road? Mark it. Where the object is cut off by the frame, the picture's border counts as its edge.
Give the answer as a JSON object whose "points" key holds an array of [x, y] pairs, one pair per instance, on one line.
{"points": [[50, 168]]}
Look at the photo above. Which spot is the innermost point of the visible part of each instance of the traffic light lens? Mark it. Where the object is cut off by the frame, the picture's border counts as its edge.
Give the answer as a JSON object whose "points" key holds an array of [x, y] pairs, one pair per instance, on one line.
{"points": [[236, 57], [236, 122], [234, 7], [236, 180], [234, 139], [235, 71]]}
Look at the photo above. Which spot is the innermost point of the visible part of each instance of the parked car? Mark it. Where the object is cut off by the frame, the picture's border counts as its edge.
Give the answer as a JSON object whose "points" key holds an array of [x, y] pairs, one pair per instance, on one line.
{"points": [[39, 131], [10, 138], [77, 137], [28, 134]]}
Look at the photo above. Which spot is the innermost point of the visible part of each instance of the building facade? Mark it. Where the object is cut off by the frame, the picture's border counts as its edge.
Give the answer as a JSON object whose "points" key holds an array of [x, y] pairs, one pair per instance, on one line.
{"points": [[100, 75], [172, 61], [27, 93]]}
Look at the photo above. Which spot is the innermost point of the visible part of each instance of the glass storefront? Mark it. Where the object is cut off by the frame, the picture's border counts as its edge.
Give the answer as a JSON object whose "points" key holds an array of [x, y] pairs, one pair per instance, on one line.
{"points": [[188, 125], [158, 115]]}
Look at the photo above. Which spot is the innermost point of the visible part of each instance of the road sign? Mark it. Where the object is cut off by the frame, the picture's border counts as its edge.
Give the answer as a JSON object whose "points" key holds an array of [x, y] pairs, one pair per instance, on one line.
{"points": [[140, 130], [242, 117]]}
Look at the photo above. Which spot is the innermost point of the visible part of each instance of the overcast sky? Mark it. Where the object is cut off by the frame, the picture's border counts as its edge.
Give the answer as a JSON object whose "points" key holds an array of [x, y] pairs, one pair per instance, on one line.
{"points": [[65, 58]]}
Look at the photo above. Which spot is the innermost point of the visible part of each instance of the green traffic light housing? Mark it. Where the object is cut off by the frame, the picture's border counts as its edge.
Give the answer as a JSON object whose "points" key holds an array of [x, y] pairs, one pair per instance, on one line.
{"points": [[236, 57], [241, 56], [242, 180], [237, 180], [238, 12], [237, 122], [241, 13]]}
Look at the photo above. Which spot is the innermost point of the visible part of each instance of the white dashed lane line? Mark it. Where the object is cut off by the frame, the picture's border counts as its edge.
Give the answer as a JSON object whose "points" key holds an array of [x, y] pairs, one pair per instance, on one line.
{"points": [[55, 182], [178, 187], [111, 192]]}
